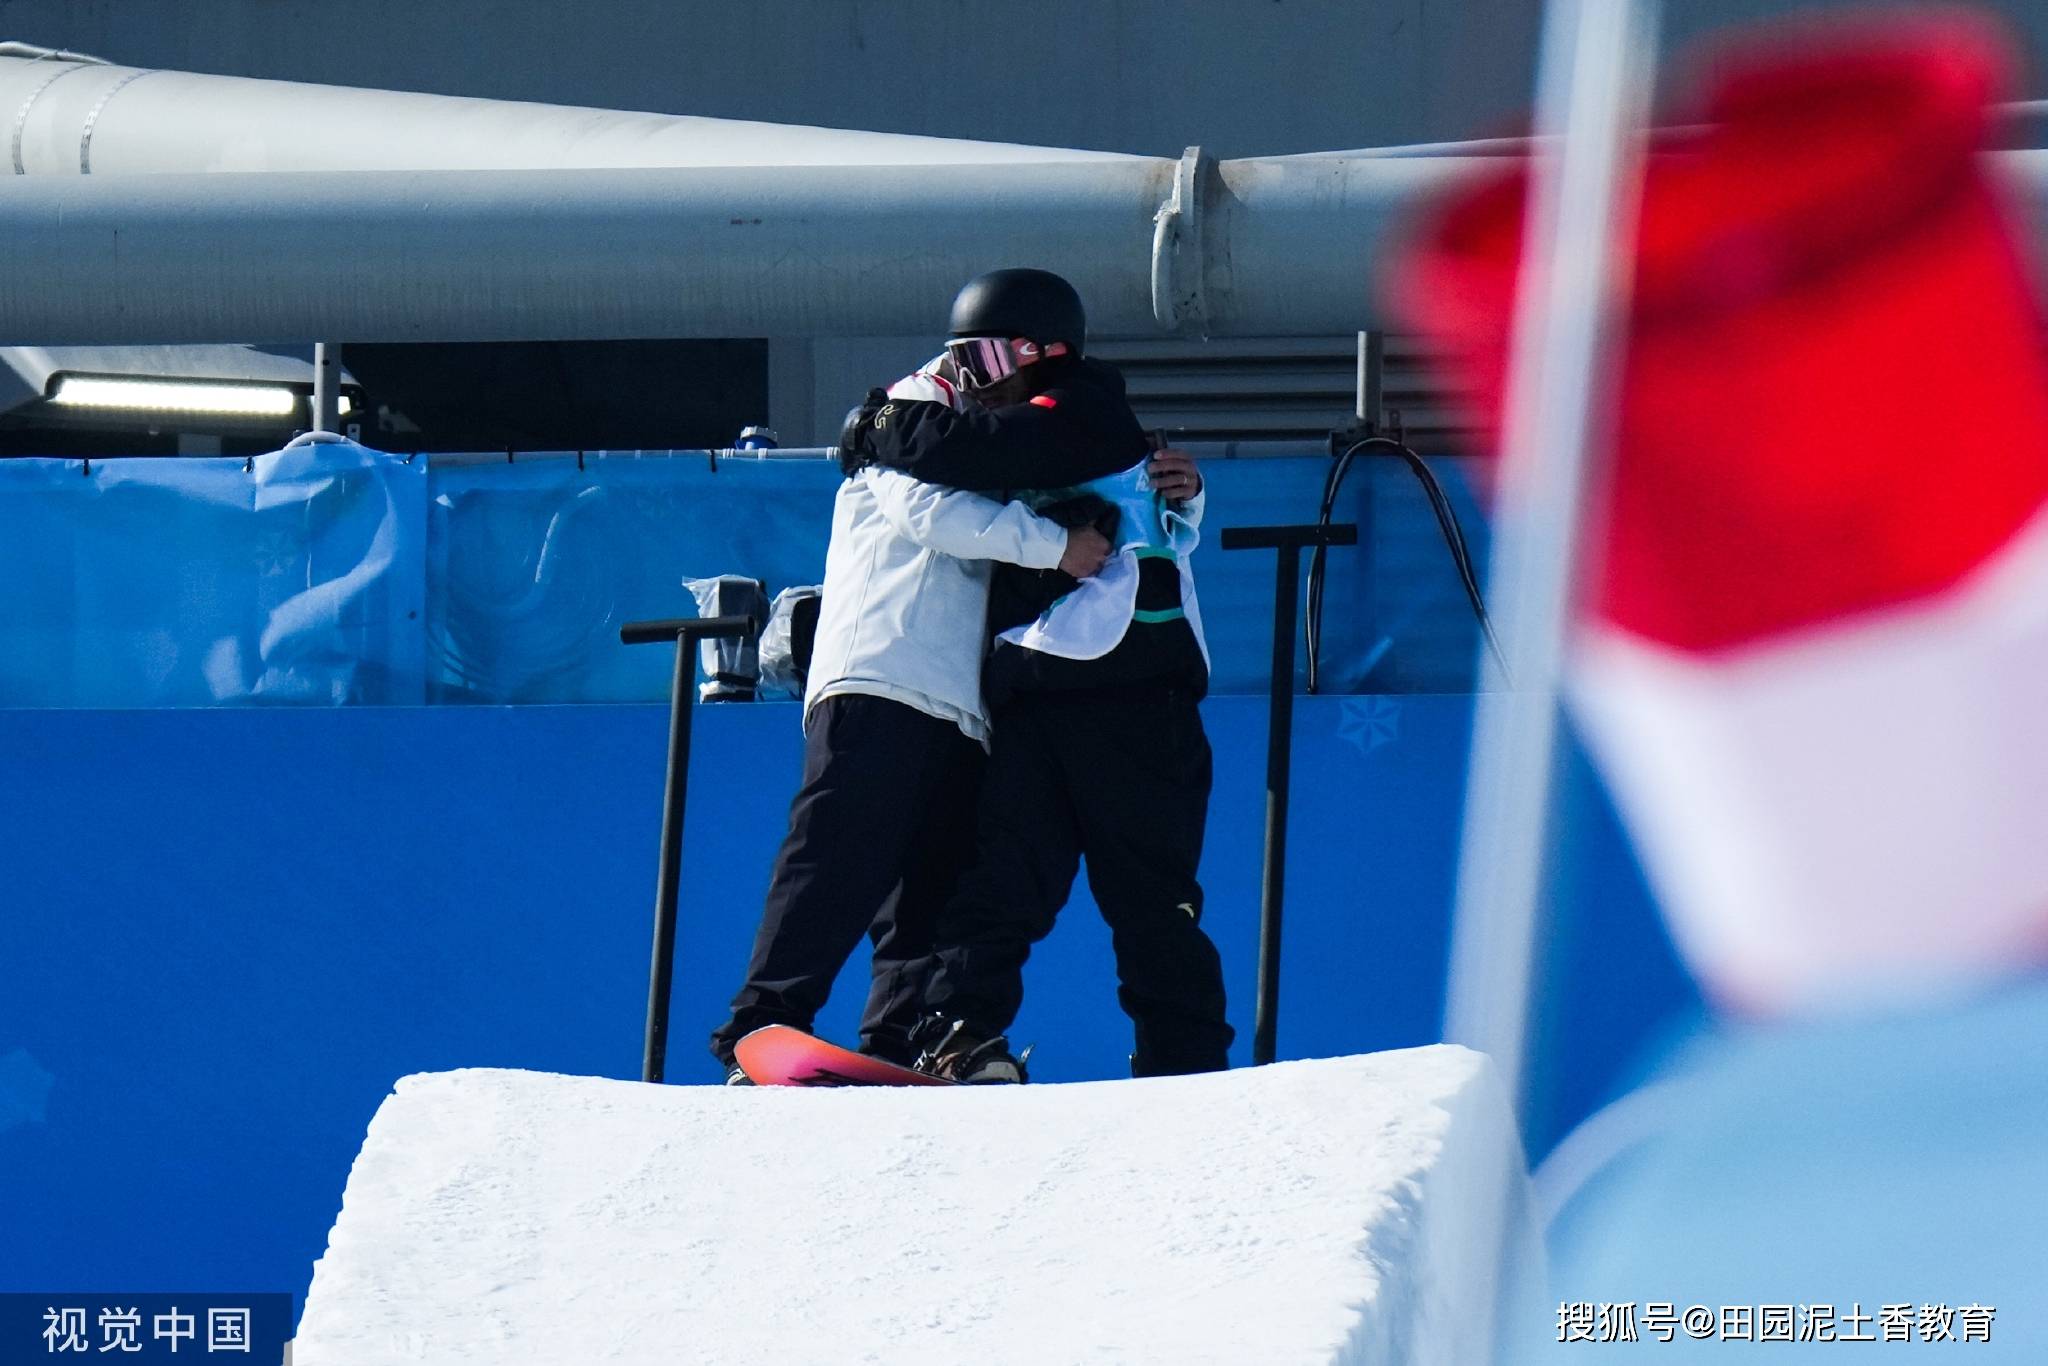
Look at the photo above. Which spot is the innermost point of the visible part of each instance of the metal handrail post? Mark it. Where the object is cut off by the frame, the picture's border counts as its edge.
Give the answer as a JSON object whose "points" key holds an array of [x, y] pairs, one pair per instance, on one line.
{"points": [[685, 632], [1288, 540]]}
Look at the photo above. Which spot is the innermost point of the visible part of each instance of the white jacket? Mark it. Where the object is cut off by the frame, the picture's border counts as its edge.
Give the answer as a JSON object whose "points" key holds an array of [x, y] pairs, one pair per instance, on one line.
{"points": [[905, 608]]}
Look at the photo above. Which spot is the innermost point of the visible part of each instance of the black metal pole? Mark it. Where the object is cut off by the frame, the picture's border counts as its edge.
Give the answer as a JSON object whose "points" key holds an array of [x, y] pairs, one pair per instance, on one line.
{"points": [[1279, 757], [685, 632], [661, 966], [1288, 540]]}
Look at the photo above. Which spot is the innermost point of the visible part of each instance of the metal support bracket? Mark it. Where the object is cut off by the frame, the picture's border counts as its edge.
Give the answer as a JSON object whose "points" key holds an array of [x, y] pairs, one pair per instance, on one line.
{"points": [[326, 387], [92, 119], [1180, 298], [21, 114]]}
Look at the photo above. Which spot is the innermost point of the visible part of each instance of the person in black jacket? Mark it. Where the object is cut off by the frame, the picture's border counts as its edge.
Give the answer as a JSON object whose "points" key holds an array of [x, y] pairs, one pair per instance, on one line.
{"points": [[1098, 751]]}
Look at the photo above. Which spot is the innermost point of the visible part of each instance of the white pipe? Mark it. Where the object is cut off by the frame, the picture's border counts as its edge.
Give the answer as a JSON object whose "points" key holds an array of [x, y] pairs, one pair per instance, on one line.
{"points": [[37, 53], [1279, 250], [1260, 247], [2011, 111], [70, 117]]}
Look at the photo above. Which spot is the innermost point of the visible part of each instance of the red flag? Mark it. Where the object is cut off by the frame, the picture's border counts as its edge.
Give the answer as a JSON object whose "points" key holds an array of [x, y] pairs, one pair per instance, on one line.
{"points": [[1816, 643]]}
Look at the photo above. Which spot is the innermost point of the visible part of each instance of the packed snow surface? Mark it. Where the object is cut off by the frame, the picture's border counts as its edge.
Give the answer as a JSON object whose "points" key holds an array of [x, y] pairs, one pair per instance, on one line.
{"points": [[1304, 1212]]}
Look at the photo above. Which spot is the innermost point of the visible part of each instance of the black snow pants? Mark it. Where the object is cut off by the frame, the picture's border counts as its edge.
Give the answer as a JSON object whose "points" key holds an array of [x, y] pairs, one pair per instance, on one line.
{"points": [[879, 834], [1120, 779]]}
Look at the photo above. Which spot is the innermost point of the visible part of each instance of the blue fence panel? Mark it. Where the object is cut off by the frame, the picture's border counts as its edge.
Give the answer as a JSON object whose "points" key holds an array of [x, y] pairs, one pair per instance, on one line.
{"points": [[533, 564], [294, 577], [333, 574], [202, 1013]]}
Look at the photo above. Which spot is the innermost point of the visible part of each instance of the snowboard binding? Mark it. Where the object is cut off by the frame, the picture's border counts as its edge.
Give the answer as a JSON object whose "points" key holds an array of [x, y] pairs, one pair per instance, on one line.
{"points": [[952, 1051]]}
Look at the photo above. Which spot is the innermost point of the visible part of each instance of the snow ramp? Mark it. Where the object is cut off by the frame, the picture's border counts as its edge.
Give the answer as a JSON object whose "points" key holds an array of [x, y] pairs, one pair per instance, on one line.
{"points": [[1319, 1211]]}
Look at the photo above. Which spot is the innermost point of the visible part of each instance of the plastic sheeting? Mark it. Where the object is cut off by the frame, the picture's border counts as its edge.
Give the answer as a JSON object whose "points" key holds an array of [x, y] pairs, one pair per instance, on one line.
{"points": [[292, 577], [328, 573], [533, 564]]}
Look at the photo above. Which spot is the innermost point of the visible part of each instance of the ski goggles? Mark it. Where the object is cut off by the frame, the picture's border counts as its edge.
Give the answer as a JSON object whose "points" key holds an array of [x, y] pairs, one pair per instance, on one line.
{"points": [[982, 361]]}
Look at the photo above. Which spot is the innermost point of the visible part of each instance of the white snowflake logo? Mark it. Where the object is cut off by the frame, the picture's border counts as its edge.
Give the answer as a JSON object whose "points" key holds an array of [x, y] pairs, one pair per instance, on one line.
{"points": [[1369, 722]]}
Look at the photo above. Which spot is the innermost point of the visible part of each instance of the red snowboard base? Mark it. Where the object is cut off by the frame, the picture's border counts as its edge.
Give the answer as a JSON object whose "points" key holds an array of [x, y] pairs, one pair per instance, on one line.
{"points": [[776, 1055]]}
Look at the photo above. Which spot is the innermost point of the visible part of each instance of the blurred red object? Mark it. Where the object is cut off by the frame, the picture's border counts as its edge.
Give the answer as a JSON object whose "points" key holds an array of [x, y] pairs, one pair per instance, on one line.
{"points": [[1830, 306]]}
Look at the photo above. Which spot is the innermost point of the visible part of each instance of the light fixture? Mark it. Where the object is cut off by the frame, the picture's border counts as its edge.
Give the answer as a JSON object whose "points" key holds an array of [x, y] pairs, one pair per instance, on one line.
{"points": [[175, 396]]}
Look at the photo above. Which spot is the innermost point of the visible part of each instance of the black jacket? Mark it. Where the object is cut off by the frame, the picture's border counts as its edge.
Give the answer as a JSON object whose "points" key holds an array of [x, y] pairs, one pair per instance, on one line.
{"points": [[1078, 429], [1081, 428]]}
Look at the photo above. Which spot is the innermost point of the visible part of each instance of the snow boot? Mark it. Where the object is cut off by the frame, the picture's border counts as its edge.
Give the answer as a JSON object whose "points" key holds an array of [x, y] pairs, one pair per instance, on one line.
{"points": [[952, 1051]]}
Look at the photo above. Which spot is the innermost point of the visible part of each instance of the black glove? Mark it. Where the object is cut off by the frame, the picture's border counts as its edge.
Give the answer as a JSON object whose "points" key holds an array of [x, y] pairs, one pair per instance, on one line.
{"points": [[854, 450], [1086, 509]]}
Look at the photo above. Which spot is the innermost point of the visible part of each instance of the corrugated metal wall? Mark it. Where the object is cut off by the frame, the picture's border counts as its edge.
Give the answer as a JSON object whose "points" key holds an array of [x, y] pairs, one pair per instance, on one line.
{"points": [[1284, 388]]}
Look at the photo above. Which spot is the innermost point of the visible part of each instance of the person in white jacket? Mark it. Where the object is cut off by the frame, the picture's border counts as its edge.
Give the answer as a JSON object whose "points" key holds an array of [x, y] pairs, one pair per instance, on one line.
{"points": [[1099, 751], [895, 739]]}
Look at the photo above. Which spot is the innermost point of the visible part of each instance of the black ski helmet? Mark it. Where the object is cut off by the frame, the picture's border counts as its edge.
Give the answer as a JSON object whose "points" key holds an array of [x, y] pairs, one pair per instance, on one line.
{"points": [[1020, 303]]}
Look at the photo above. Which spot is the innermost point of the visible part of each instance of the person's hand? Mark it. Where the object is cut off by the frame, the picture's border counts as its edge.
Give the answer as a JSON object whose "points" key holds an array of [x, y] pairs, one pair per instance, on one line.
{"points": [[856, 430], [1174, 476], [1087, 549]]}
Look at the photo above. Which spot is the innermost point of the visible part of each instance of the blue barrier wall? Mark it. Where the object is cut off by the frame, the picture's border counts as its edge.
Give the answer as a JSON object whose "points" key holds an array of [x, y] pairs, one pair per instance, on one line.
{"points": [[227, 931], [335, 574], [293, 577]]}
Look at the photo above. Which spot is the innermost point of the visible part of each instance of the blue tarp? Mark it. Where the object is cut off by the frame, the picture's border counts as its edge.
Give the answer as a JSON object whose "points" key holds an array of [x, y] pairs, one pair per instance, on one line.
{"points": [[532, 565], [335, 574], [290, 577]]}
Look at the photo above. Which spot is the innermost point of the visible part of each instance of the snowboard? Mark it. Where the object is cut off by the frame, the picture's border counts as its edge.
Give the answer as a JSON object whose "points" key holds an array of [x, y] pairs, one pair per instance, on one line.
{"points": [[777, 1055]]}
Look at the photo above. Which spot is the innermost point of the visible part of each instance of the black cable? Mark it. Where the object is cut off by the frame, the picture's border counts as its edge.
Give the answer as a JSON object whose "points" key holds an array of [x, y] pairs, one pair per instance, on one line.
{"points": [[1447, 523], [1313, 614]]}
